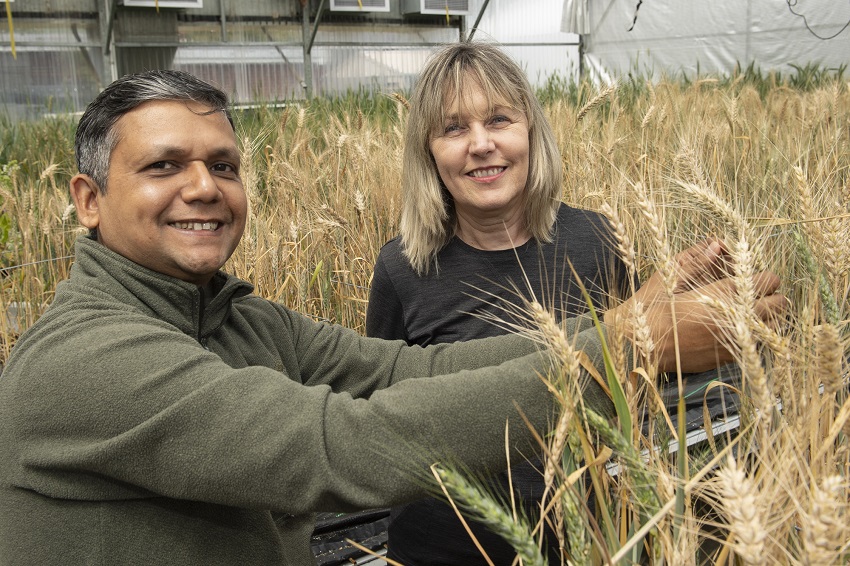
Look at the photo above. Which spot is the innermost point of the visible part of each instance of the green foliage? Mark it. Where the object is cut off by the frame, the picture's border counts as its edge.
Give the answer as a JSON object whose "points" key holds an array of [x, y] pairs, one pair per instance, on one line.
{"points": [[35, 145], [6, 172], [558, 87], [812, 76], [6, 224], [377, 108], [632, 90]]}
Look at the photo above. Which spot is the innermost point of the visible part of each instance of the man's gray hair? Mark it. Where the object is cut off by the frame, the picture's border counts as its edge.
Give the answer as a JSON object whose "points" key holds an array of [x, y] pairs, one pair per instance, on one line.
{"points": [[96, 135]]}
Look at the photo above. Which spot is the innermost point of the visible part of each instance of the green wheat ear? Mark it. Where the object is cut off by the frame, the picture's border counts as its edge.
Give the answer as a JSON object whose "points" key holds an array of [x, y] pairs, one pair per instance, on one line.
{"points": [[484, 508], [830, 305], [631, 460]]}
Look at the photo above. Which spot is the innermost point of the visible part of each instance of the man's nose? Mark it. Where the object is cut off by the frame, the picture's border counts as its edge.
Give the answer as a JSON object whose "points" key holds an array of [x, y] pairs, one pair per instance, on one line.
{"points": [[200, 183]]}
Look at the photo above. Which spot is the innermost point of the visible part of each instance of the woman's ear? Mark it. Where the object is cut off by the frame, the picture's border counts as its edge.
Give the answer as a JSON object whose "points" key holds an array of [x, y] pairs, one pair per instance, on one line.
{"points": [[85, 193]]}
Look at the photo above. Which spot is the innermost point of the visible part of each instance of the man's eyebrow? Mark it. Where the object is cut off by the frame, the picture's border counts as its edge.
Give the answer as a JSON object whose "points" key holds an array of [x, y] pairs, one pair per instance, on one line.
{"points": [[229, 153], [175, 151]]}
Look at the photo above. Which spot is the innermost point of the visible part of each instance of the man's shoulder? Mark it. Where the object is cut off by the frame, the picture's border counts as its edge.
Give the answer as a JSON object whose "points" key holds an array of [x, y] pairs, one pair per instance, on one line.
{"points": [[252, 305]]}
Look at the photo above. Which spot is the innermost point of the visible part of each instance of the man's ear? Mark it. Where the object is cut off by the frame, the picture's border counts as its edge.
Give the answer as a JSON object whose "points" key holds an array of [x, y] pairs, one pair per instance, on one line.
{"points": [[85, 193]]}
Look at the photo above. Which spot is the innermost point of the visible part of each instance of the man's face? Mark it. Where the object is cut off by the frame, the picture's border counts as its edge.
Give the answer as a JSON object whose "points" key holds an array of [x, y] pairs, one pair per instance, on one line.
{"points": [[175, 202]]}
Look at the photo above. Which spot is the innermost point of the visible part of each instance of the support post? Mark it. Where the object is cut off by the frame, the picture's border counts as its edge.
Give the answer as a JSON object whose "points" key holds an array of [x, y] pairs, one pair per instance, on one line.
{"points": [[222, 16], [308, 36], [307, 82], [106, 22], [477, 20]]}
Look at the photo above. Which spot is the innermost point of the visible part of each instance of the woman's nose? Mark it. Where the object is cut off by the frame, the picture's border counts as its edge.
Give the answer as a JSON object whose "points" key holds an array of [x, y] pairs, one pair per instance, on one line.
{"points": [[481, 143]]}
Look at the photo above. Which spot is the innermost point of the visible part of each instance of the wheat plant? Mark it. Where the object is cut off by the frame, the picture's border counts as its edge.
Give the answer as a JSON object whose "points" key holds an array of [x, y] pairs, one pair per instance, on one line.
{"points": [[761, 162]]}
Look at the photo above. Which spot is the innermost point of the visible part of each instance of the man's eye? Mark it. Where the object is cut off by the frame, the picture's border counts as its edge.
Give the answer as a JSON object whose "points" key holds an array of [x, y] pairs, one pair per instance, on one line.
{"points": [[160, 165], [224, 168]]}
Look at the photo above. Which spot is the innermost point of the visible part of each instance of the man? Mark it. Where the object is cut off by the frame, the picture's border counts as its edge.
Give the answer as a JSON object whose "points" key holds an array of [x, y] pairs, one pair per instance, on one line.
{"points": [[160, 413]]}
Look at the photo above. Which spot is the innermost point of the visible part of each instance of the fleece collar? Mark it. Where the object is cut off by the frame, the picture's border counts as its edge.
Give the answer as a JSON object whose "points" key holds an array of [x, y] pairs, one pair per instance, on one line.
{"points": [[102, 271]]}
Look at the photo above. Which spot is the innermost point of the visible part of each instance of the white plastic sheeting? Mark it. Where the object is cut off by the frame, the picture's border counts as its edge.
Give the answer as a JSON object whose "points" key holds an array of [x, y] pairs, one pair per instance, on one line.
{"points": [[575, 18], [530, 32], [677, 37]]}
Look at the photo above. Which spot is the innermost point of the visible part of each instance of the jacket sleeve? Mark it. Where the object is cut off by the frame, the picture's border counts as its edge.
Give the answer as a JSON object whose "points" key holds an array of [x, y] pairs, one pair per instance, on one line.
{"points": [[346, 361], [130, 408]]}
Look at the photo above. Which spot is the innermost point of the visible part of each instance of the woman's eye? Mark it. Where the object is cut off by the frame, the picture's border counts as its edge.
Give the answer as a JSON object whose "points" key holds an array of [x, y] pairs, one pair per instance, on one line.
{"points": [[499, 119], [451, 128]]}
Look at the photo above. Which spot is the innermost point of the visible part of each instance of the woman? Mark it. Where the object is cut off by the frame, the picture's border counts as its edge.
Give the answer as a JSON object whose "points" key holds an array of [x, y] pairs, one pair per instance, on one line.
{"points": [[482, 228]]}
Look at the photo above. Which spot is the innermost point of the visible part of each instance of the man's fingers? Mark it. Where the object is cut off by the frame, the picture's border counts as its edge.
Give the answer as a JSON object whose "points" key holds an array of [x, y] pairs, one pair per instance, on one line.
{"points": [[766, 283], [772, 308], [701, 264]]}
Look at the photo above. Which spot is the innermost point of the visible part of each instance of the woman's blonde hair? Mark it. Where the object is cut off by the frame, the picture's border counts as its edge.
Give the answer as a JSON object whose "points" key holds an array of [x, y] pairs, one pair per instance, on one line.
{"points": [[428, 218]]}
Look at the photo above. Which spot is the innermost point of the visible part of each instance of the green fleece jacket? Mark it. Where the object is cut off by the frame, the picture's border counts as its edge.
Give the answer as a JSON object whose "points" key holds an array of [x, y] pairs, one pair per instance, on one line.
{"points": [[138, 426]]}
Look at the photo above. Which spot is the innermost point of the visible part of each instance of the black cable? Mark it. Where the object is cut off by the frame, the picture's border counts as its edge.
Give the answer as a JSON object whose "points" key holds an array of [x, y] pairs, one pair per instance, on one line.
{"points": [[634, 21], [792, 3]]}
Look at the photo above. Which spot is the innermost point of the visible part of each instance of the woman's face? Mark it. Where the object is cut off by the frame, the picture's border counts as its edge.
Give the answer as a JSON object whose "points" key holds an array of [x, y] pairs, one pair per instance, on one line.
{"points": [[482, 155]]}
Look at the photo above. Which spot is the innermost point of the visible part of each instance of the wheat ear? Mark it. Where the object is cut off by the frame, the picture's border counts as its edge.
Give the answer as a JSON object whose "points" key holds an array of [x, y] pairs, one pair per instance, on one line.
{"points": [[596, 100], [485, 509], [824, 526], [740, 502]]}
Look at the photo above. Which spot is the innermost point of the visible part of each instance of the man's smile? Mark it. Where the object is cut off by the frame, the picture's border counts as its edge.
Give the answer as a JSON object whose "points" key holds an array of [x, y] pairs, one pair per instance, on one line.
{"points": [[209, 226]]}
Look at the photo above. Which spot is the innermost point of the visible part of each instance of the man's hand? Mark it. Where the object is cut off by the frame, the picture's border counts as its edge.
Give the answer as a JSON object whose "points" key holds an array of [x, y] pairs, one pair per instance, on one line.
{"points": [[702, 271]]}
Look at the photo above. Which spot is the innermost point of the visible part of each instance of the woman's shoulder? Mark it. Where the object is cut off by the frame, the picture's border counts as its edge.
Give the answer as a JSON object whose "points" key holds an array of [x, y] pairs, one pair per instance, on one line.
{"points": [[391, 261], [576, 219], [391, 252], [391, 255]]}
